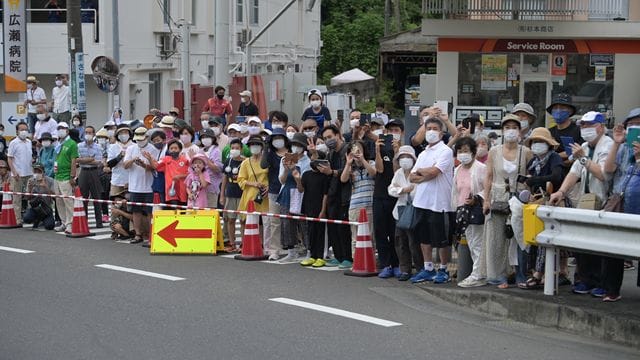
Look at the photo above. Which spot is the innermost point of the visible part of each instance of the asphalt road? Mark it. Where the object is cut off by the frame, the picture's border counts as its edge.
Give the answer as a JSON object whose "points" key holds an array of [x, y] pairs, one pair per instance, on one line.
{"points": [[56, 304]]}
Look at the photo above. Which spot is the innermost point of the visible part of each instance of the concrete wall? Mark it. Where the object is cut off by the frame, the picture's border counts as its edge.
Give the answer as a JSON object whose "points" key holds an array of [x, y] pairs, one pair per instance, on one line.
{"points": [[447, 78], [625, 85]]}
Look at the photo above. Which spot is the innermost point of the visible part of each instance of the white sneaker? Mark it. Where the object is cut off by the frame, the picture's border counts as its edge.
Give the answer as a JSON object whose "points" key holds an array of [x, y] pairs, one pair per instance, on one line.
{"points": [[289, 259], [471, 282], [274, 257], [60, 228]]}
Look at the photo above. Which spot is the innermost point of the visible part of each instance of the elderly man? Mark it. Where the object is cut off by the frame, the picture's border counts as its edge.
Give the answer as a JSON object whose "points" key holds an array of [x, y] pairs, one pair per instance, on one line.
{"points": [[90, 160], [35, 96], [247, 107], [20, 155], [65, 168], [45, 123]]}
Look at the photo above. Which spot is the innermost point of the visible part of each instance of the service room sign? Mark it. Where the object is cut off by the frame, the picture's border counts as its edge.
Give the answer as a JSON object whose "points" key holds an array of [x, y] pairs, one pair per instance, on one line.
{"points": [[535, 46]]}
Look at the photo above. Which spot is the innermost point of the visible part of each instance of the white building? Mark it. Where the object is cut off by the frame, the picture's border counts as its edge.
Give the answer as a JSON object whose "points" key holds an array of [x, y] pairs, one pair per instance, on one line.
{"points": [[285, 56]]}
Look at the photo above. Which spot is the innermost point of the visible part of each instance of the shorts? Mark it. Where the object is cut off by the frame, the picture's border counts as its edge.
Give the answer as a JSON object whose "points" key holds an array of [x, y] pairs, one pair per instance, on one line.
{"points": [[141, 198], [231, 204], [115, 189], [435, 228]]}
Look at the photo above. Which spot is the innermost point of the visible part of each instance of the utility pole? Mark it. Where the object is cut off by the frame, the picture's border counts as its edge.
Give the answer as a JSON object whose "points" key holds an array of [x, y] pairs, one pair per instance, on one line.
{"points": [[396, 14], [116, 50], [186, 73], [222, 43], [76, 56]]}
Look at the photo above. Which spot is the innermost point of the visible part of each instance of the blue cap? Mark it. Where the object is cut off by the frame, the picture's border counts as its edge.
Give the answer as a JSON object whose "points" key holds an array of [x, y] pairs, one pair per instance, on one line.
{"points": [[634, 113], [592, 117]]}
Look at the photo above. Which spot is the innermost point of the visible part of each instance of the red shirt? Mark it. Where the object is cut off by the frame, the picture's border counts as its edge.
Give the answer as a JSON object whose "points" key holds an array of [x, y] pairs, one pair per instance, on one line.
{"points": [[217, 107], [171, 169]]}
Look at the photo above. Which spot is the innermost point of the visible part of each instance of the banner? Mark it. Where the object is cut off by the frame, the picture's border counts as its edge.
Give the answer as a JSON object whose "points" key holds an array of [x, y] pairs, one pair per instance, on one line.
{"points": [[14, 36], [494, 72]]}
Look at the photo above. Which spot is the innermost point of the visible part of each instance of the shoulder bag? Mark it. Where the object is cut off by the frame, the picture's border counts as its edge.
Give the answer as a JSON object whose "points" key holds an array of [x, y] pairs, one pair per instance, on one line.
{"points": [[408, 216], [615, 203]]}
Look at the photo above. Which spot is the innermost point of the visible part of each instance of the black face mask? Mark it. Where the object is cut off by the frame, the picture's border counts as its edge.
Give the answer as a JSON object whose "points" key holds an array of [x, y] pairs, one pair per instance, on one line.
{"points": [[174, 155], [159, 146], [220, 96]]}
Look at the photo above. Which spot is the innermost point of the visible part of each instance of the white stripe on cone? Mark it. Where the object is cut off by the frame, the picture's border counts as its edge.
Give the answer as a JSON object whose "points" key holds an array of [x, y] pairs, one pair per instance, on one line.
{"points": [[364, 244]]}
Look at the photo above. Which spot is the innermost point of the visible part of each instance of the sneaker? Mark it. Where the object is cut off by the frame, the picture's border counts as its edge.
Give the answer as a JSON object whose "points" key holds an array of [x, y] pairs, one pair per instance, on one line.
{"points": [[397, 272], [386, 273], [308, 262], [332, 263], [291, 258], [404, 277], [135, 240], [274, 257], [471, 282], [146, 244], [572, 262], [422, 276], [441, 277], [581, 288], [563, 280], [598, 292], [346, 264], [611, 298], [105, 218], [59, 228], [628, 265], [319, 263]]}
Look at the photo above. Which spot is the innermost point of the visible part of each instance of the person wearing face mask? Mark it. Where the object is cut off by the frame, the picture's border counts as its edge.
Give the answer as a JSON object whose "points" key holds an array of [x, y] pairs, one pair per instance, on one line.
{"points": [[243, 129], [214, 166], [467, 191], [292, 167], [562, 110], [357, 129], [140, 169], [90, 160], [46, 154], [40, 211], [589, 169], [216, 125], [291, 130], [271, 160], [61, 100], [277, 120], [45, 123], [35, 96], [247, 107], [175, 168], [407, 246], [230, 192], [20, 154], [102, 138], [77, 123], [317, 110], [383, 203], [234, 133], [433, 176], [65, 168], [527, 119], [253, 179], [167, 124], [219, 106], [189, 149], [418, 140], [380, 113], [115, 154], [111, 128], [505, 163], [484, 144], [3, 144], [254, 126]]}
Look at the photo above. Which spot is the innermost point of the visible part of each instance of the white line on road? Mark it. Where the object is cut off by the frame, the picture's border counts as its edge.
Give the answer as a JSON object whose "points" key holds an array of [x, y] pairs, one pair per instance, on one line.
{"points": [[335, 311], [140, 272], [16, 250]]}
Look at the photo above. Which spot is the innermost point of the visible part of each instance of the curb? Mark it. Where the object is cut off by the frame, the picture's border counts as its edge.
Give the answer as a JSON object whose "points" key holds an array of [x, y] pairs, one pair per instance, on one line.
{"points": [[615, 328]]}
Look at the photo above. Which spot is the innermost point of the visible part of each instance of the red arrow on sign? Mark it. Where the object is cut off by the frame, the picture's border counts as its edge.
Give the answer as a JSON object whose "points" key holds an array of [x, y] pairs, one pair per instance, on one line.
{"points": [[171, 233]]}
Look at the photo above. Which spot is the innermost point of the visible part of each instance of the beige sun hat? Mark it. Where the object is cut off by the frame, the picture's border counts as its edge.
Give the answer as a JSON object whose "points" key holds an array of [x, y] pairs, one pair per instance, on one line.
{"points": [[541, 134]]}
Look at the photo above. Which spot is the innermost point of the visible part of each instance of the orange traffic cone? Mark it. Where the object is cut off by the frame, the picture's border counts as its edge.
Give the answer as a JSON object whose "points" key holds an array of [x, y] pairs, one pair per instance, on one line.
{"points": [[80, 224], [251, 243], [8, 214], [156, 201], [364, 261]]}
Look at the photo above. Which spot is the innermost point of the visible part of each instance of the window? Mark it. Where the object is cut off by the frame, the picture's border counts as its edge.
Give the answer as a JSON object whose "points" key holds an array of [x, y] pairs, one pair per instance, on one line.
{"points": [[194, 12], [240, 11], [255, 12], [155, 90], [166, 11]]}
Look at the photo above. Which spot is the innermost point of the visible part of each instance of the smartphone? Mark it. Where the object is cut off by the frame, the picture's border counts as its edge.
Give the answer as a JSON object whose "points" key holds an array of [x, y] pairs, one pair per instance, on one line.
{"points": [[566, 143], [633, 135], [365, 119], [388, 140], [469, 123], [316, 163], [521, 179], [443, 105]]}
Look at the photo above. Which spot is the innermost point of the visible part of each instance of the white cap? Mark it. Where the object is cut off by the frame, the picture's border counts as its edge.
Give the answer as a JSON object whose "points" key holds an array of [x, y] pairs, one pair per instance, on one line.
{"points": [[235, 127], [110, 123], [246, 93], [254, 119], [63, 124]]}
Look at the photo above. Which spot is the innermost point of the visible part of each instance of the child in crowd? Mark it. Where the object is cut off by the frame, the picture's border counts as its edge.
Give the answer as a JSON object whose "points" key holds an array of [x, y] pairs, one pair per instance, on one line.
{"points": [[120, 218], [197, 182], [231, 192], [314, 204], [175, 167]]}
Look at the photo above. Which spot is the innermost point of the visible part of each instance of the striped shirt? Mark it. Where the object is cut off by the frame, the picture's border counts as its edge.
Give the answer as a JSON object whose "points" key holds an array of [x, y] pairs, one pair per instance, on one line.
{"points": [[363, 186]]}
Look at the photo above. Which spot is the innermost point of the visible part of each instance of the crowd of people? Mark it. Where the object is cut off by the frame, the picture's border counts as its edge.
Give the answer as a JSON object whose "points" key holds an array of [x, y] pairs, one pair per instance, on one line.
{"points": [[448, 187]]}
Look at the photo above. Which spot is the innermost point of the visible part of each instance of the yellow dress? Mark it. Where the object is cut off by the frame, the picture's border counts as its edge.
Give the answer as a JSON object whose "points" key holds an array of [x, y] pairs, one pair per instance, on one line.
{"points": [[249, 192]]}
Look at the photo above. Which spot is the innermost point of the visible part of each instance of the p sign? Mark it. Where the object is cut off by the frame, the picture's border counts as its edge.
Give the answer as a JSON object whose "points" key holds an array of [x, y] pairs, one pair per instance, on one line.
{"points": [[12, 113]]}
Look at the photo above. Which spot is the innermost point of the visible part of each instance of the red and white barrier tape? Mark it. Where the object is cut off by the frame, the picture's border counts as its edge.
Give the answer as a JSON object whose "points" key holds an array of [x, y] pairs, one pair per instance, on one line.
{"points": [[184, 207]]}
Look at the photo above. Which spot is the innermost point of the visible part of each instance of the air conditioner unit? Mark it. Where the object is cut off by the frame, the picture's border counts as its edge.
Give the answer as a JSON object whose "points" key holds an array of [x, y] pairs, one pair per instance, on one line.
{"points": [[243, 37], [169, 43]]}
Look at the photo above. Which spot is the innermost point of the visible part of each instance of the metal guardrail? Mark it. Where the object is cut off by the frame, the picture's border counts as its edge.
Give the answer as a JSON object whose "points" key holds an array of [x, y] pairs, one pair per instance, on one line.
{"points": [[94, 22], [527, 9], [599, 232]]}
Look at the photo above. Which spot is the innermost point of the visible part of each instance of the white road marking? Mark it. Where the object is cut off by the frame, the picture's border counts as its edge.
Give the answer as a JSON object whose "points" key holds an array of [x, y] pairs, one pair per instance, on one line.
{"points": [[100, 237], [140, 272], [16, 250], [338, 312]]}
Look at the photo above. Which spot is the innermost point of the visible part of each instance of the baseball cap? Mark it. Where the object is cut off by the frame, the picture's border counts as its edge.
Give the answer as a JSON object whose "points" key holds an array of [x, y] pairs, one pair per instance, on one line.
{"points": [[591, 117], [245, 93], [235, 127]]}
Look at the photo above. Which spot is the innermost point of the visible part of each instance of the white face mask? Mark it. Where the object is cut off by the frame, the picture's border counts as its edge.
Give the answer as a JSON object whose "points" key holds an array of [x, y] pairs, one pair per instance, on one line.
{"points": [[88, 137], [41, 116], [23, 134], [58, 82], [482, 151], [465, 158], [76, 123], [310, 134], [243, 128], [316, 103], [589, 134], [524, 124], [207, 141], [46, 143], [62, 133], [296, 149], [110, 133], [406, 163], [37, 176], [216, 131], [255, 149], [278, 143], [354, 123], [254, 130], [185, 138], [123, 138], [377, 132], [432, 136], [397, 137], [142, 143], [244, 100], [511, 135], [290, 134], [205, 124], [539, 148], [277, 126], [234, 153], [102, 141], [322, 148]]}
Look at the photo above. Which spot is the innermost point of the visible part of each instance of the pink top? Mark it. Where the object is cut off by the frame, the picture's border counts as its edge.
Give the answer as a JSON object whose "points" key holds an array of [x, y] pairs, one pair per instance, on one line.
{"points": [[193, 182], [463, 185]]}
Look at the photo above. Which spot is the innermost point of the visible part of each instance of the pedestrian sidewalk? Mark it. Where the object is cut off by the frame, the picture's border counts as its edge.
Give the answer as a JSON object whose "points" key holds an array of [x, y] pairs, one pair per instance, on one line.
{"points": [[585, 315]]}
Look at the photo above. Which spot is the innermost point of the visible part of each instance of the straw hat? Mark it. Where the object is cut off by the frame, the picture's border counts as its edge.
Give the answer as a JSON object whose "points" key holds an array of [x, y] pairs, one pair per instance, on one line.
{"points": [[541, 134]]}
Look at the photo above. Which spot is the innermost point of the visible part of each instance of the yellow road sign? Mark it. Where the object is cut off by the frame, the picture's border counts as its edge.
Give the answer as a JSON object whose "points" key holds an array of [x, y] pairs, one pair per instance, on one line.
{"points": [[185, 232]]}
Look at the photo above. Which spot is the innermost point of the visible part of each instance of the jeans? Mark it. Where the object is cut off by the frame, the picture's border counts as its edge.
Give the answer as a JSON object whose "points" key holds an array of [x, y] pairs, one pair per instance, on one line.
{"points": [[31, 217], [32, 118]]}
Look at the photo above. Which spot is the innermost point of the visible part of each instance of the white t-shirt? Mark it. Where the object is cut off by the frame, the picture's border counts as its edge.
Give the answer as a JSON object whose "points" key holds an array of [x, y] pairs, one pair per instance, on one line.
{"points": [[435, 194], [382, 116], [61, 99], [140, 180], [600, 188], [37, 95], [50, 126], [119, 175], [21, 152]]}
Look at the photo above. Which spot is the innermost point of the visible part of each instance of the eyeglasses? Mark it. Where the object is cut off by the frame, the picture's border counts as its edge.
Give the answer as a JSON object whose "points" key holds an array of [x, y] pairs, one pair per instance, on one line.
{"points": [[309, 129]]}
